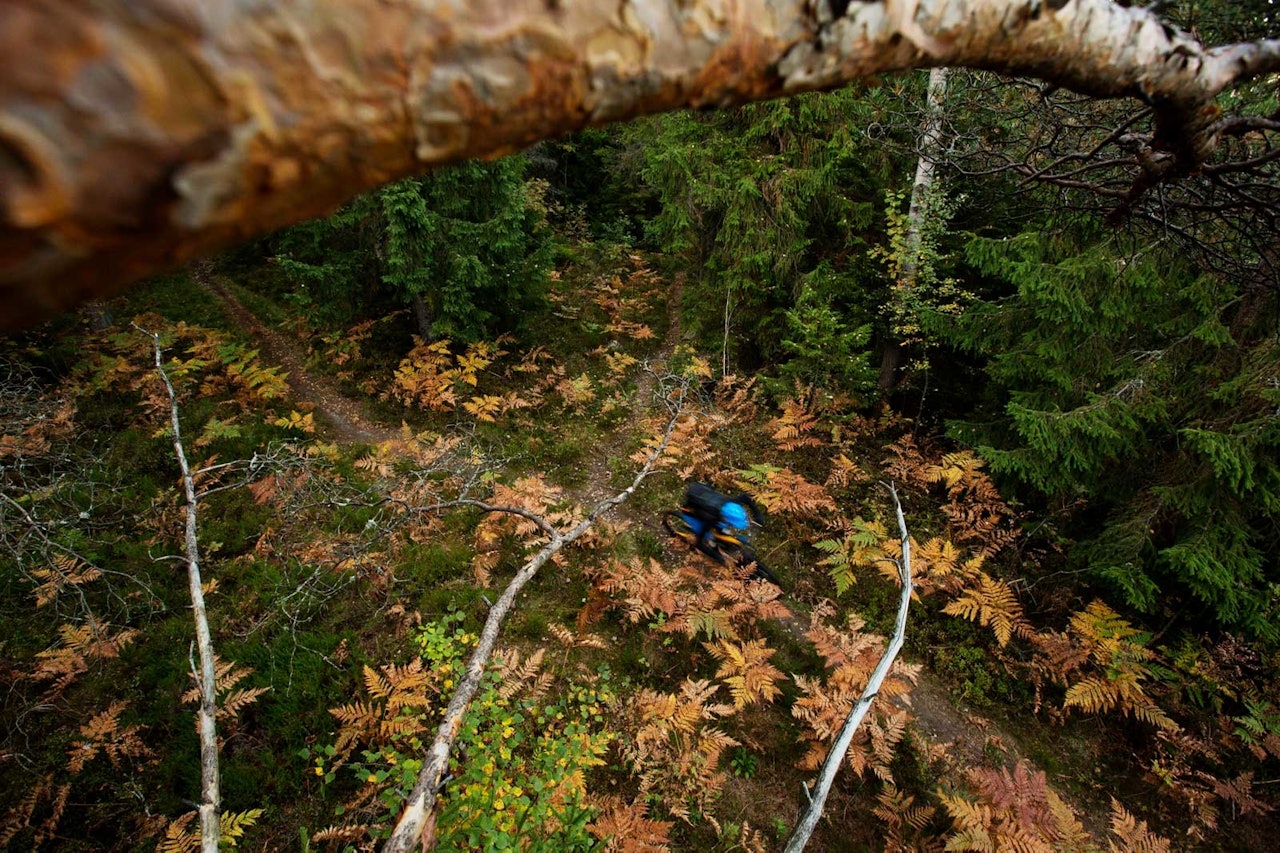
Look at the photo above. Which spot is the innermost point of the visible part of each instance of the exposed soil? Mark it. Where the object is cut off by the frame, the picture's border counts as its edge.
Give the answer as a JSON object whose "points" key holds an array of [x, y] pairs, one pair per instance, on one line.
{"points": [[346, 416], [963, 739]]}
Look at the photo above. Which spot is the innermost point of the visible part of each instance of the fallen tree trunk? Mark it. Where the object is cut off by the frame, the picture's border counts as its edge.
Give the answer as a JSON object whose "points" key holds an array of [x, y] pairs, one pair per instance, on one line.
{"points": [[136, 135], [204, 672]]}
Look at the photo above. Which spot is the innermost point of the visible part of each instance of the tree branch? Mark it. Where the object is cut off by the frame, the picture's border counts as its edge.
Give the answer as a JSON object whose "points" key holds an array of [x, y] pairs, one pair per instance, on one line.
{"points": [[835, 757], [138, 135], [411, 829], [206, 713]]}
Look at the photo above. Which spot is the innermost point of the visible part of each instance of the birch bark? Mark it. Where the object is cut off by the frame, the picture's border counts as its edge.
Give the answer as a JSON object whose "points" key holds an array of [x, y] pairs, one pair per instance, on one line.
{"points": [[136, 135]]}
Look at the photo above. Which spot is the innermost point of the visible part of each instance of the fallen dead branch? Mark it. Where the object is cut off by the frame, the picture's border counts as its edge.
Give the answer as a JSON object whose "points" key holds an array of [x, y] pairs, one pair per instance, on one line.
{"points": [[826, 776]]}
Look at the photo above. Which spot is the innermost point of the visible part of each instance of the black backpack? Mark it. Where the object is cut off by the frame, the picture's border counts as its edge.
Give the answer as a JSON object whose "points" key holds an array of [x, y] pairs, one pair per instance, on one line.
{"points": [[703, 502]]}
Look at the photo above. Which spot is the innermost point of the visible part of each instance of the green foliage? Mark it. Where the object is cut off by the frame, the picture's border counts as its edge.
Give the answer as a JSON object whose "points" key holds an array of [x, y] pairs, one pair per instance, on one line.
{"points": [[742, 763], [823, 349], [521, 753], [469, 243], [756, 198], [1147, 393], [466, 246]]}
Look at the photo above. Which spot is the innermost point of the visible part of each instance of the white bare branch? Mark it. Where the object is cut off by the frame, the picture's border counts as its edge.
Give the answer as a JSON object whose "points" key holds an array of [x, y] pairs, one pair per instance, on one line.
{"points": [[413, 827], [817, 799], [206, 713]]}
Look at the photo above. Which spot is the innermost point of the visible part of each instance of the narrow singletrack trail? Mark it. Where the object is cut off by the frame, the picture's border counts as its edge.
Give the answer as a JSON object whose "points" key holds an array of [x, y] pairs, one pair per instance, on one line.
{"points": [[965, 739], [345, 414]]}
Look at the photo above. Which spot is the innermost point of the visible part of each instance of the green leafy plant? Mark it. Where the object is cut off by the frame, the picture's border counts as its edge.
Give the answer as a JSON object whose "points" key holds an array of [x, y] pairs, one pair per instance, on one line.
{"points": [[743, 763]]}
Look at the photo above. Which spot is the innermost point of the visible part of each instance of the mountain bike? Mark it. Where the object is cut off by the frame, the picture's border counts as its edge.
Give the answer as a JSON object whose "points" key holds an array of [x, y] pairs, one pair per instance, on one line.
{"points": [[721, 545]]}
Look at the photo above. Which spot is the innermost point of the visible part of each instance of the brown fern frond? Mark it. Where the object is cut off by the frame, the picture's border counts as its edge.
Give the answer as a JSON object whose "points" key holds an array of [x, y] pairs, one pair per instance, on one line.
{"points": [[784, 492], [992, 603], [179, 836], [747, 672], [18, 816], [1132, 835], [627, 828], [345, 833], [49, 826], [1092, 695], [516, 675], [236, 701], [791, 429]]}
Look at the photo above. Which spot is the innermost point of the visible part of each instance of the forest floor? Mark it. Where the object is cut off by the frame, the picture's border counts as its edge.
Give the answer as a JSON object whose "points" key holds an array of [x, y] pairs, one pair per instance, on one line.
{"points": [[958, 738], [348, 416]]}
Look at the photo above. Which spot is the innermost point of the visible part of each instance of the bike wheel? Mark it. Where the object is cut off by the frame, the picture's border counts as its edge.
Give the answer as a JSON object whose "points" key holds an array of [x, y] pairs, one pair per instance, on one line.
{"points": [[675, 524], [744, 555]]}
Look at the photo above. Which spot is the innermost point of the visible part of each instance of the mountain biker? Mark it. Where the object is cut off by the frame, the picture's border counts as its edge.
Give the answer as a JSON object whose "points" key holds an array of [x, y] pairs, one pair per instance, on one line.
{"points": [[720, 527], [713, 511]]}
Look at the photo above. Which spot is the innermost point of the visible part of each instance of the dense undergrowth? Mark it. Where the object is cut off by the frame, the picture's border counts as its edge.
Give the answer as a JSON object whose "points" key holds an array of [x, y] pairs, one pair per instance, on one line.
{"points": [[645, 696]]}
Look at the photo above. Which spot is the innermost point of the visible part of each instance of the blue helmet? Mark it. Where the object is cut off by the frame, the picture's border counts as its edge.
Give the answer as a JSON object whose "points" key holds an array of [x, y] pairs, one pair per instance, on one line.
{"points": [[734, 515]]}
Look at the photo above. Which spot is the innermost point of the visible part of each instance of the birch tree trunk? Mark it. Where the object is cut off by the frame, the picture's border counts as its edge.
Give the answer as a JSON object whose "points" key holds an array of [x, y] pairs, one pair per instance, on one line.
{"points": [[926, 167], [136, 135], [808, 821], [413, 829], [206, 681]]}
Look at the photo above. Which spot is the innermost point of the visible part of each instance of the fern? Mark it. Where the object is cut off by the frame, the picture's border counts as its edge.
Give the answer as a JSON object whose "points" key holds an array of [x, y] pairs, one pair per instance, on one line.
{"points": [[791, 429], [992, 604], [1122, 662], [861, 547], [1131, 834], [824, 704], [1013, 811], [64, 572], [627, 828], [904, 821], [747, 672], [674, 749], [104, 734], [232, 825], [782, 491]]}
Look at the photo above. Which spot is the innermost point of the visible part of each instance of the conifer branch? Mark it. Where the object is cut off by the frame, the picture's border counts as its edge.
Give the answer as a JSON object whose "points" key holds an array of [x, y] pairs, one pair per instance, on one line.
{"points": [[206, 713], [835, 757], [413, 828]]}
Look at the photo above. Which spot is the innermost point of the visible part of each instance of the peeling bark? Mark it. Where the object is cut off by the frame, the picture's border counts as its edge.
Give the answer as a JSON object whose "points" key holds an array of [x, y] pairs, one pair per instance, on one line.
{"points": [[136, 135]]}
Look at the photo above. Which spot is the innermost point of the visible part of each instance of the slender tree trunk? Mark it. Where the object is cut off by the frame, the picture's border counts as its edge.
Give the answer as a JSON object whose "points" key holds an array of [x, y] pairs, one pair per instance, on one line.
{"points": [[134, 136], [414, 829], [724, 349], [890, 361], [835, 757], [921, 188], [422, 315], [206, 713]]}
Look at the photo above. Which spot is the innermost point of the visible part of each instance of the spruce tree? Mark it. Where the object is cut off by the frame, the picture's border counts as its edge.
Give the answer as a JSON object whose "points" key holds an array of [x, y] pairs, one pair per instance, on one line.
{"points": [[466, 247], [1140, 397], [775, 205]]}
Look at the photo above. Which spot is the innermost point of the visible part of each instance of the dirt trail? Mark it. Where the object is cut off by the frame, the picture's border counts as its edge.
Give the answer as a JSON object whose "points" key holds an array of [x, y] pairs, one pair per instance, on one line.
{"points": [[642, 401], [966, 740], [346, 415]]}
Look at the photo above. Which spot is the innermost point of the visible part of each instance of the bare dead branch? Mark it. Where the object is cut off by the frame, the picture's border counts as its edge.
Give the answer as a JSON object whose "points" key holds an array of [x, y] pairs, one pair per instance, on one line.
{"points": [[826, 776], [413, 824], [206, 713]]}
